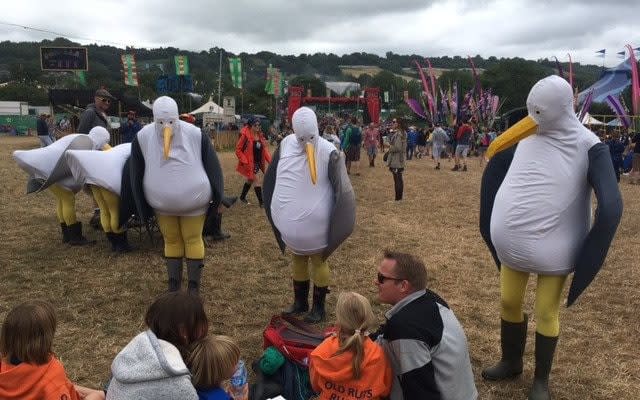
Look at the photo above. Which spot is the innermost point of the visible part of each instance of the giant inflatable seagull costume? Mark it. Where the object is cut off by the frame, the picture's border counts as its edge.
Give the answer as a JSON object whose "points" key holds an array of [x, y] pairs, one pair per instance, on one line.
{"points": [[102, 171], [311, 206], [536, 218], [48, 169], [175, 174]]}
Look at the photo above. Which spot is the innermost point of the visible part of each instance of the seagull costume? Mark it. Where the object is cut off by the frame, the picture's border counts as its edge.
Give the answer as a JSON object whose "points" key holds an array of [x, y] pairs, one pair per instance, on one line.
{"points": [[175, 175], [102, 171], [48, 169], [310, 204], [536, 218]]}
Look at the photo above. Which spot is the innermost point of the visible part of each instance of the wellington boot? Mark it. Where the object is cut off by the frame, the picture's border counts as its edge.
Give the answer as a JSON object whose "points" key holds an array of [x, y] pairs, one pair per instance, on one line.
{"points": [[545, 349], [174, 273], [300, 302], [317, 313], [194, 274], [75, 235], [122, 243], [513, 336], [65, 232]]}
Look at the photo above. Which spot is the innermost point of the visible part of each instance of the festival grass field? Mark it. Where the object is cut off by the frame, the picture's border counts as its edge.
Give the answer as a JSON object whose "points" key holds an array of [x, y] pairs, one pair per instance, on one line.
{"points": [[101, 298]]}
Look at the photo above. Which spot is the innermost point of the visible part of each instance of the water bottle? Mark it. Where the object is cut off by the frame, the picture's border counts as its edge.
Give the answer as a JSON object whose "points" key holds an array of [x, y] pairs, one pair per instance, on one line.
{"points": [[239, 384]]}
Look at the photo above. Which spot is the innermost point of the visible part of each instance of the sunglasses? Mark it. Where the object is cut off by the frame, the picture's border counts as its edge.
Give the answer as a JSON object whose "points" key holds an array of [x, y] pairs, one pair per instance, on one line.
{"points": [[105, 100], [382, 278]]}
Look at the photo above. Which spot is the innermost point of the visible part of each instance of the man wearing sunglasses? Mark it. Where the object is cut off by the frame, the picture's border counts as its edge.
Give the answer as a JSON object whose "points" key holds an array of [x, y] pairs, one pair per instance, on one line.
{"points": [[422, 337], [96, 115]]}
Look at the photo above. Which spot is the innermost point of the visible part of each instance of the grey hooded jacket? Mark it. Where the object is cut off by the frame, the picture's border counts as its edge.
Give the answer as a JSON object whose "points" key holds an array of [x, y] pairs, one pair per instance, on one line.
{"points": [[150, 368]]}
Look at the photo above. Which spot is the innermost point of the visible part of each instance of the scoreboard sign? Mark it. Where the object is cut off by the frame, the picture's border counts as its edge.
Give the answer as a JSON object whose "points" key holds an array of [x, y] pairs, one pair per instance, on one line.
{"points": [[64, 59]]}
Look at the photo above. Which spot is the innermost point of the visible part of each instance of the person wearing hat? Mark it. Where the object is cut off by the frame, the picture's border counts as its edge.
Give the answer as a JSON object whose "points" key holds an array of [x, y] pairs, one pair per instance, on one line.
{"points": [[253, 157], [96, 115], [130, 128]]}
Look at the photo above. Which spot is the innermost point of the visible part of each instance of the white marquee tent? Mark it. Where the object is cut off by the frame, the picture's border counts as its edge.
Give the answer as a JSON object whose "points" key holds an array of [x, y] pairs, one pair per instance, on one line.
{"points": [[589, 120], [208, 107]]}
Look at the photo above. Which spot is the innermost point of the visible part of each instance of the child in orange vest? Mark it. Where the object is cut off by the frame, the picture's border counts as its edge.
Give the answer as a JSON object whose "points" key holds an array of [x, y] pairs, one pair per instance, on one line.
{"points": [[349, 365], [28, 368]]}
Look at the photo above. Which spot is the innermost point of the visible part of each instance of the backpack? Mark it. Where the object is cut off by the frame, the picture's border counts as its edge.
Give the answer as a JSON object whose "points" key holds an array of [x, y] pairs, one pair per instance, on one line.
{"points": [[293, 338], [356, 136]]}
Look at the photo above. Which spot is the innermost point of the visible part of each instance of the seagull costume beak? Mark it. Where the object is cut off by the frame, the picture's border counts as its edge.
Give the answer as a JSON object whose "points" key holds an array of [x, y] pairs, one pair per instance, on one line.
{"points": [[311, 159], [168, 135], [523, 128]]}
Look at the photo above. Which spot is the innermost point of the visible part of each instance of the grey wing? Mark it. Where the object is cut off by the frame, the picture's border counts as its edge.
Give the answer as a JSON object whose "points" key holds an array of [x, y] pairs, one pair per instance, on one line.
{"points": [[268, 187], [343, 214], [62, 170]]}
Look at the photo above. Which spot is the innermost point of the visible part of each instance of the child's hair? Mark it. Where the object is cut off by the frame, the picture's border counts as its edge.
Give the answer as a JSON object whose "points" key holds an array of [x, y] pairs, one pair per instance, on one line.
{"points": [[212, 360], [27, 332], [353, 317], [178, 318]]}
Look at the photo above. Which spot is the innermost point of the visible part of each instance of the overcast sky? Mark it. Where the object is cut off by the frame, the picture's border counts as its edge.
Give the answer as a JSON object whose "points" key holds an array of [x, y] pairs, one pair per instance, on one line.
{"points": [[430, 28]]}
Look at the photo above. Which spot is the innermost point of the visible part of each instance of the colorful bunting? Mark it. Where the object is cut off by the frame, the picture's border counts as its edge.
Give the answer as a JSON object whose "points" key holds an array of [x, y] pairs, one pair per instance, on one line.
{"points": [[129, 69], [235, 66], [182, 65]]}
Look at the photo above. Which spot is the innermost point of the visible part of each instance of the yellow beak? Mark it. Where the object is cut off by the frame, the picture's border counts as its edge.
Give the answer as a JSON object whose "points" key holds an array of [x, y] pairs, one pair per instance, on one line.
{"points": [[168, 135], [106, 147], [311, 159], [523, 128]]}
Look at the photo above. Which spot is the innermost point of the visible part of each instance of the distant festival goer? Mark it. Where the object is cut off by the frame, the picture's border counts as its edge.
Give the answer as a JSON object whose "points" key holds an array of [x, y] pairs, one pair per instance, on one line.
{"points": [[396, 155], [253, 156]]}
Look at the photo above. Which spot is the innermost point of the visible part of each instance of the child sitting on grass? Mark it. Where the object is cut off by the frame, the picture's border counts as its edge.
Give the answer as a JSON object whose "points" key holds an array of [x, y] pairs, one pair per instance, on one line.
{"points": [[349, 365], [211, 361], [28, 367]]}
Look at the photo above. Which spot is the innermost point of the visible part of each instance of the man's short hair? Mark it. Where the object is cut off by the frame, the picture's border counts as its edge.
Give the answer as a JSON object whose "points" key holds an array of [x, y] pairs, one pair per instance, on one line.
{"points": [[409, 268]]}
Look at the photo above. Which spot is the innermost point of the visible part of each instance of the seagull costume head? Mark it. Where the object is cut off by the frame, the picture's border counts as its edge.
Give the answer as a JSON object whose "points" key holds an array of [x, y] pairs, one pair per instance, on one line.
{"points": [[305, 127], [167, 122], [100, 138], [550, 106]]}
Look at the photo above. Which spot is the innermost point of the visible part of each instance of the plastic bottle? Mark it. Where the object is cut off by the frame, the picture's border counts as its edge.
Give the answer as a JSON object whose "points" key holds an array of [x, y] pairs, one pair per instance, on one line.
{"points": [[239, 383]]}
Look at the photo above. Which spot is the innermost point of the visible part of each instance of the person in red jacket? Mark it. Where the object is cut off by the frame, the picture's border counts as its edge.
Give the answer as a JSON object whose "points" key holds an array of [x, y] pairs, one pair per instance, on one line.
{"points": [[28, 367], [253, 157], [349, 365]]}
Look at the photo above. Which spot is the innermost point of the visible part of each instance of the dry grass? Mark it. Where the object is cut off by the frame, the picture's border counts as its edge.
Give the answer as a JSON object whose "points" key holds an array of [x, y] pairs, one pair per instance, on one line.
{"points": [[101, 298]]}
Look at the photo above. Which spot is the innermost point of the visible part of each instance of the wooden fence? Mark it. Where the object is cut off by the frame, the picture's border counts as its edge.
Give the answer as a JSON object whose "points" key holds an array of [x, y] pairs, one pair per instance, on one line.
{"points": [[222, 140]]}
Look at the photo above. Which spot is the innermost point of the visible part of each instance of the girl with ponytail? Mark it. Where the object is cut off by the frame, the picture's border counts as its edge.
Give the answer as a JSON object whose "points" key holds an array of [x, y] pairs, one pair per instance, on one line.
{"points": [[348, 364]]}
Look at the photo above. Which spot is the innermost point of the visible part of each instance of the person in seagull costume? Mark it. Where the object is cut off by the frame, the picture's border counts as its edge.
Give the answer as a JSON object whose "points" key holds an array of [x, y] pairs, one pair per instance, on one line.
{"points": [[536, 218], [102, 171], [48, 169], [175, 174], [310, 204]]}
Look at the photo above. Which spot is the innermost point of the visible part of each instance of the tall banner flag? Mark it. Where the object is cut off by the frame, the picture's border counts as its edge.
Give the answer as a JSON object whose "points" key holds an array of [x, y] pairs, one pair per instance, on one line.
{"points": [[129, 69], [82, 77], [386, 97], [277, 80], [268, 87], [182, 65], [235, 67]]}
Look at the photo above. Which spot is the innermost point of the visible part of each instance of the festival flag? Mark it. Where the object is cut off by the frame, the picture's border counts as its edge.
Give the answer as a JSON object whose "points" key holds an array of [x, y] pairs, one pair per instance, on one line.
{"points": [[570, 71], [621, 54], [182, 65], [559, 67], [235, 67], [635, 82], [585, 105], [386, 97], [129, 69], [82, 77], [615, 104], [268, 87], [601, 53], [276, 82]]}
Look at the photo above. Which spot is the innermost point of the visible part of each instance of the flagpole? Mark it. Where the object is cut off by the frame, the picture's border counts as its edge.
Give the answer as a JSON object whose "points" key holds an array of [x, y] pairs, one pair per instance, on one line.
{"points": [[220, 77]]}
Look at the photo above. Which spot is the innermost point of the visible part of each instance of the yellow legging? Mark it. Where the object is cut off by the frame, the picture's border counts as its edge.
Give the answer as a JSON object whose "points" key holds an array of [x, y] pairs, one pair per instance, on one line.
{"points": [[66, 204], [321, 275], [547, 308], [109, 204], [182, 236]]}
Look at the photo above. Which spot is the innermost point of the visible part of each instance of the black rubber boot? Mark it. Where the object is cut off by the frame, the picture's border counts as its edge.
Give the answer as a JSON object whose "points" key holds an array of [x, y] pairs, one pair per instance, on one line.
{"points": [[65, 232], [513, 337], [174, 273], [245, 190], [545, 349], [111, 240], [194, 273], [217, 234], [258, 191], [300, 299], [121, 242], [75, 235], [317, 313]]}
